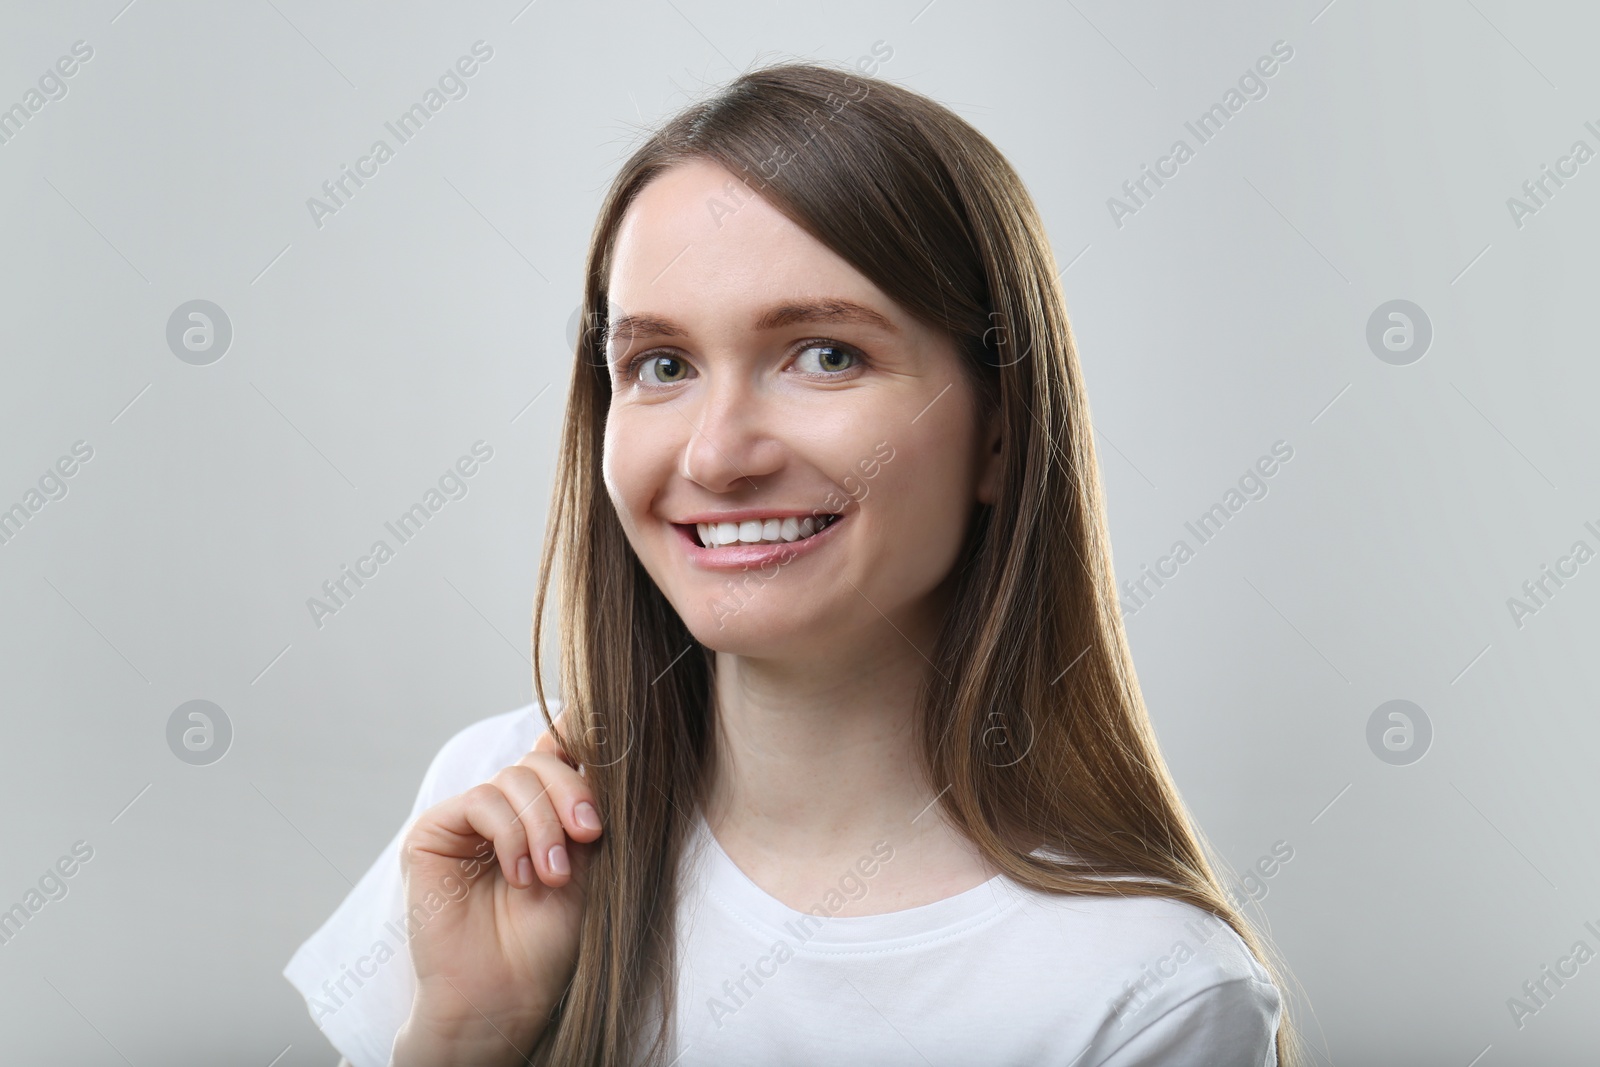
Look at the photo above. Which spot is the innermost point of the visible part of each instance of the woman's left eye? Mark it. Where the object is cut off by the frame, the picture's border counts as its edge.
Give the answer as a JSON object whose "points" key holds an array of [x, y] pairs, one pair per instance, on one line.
{"points": [[833, 357]]}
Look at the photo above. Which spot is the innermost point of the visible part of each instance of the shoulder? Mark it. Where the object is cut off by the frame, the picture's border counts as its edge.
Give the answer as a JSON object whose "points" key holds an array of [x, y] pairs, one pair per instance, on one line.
{"points": [[1177, 984], [474, 753], [354, 971], [1130, 932], [1233, 1023]]}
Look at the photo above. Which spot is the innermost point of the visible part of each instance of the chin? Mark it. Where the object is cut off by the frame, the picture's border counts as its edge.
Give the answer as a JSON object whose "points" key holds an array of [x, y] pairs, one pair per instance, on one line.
{"points": [[763, 624], [750, 630]]}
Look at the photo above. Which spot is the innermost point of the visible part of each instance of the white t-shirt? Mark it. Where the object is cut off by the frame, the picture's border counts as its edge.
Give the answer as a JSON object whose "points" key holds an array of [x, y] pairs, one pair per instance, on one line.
{"points": [[997, 975]]}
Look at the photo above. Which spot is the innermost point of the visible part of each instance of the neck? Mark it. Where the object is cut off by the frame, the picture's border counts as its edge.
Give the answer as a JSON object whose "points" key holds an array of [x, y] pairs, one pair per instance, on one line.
{"points": [[818, 756]]}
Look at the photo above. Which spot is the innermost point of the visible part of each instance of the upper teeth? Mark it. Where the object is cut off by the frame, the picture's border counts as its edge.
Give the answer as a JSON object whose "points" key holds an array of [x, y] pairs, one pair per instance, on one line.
{"points": [[759, 531]]}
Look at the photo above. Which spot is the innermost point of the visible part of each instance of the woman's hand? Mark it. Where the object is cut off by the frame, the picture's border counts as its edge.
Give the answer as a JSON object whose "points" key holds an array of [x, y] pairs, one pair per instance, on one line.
{"points": [[494, 934]]}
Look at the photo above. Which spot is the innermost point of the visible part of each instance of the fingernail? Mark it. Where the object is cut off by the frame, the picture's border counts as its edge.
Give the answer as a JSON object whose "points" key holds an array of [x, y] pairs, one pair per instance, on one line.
{"points": [[558, 860], [525, 871], [587, 817]]}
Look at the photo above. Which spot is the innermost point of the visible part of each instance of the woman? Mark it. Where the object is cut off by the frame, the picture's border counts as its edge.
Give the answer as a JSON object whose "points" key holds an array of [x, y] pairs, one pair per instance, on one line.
{"points": [[852, 761]]}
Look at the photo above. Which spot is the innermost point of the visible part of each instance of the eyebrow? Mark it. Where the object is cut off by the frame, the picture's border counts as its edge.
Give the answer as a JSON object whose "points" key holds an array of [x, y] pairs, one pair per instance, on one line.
{"points": [[830, 310]]}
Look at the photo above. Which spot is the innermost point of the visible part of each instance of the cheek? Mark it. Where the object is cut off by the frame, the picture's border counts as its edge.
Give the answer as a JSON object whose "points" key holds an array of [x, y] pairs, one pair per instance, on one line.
{"points": [[921, 499], [609, 473], [627, 471]]}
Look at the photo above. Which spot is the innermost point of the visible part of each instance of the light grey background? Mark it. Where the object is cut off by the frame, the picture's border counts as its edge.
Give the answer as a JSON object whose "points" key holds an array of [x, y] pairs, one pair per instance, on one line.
{"points": [[431, 312]]}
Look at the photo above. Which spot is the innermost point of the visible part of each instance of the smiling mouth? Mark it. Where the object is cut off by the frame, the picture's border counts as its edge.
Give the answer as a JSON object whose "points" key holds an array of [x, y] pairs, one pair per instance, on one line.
{"points": [[758, 531]]}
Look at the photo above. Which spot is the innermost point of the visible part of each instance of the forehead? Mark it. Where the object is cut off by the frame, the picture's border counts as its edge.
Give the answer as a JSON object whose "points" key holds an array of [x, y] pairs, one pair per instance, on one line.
{"points": [[698, 238]]}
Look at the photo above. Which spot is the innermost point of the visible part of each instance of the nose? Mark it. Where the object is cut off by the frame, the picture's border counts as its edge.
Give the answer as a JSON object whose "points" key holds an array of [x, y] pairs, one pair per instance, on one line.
{"points": [[730, 435]]}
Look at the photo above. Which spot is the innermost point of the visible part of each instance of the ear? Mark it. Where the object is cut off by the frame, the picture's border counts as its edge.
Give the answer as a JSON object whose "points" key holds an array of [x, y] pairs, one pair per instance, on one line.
{"points": [[991, 461]]}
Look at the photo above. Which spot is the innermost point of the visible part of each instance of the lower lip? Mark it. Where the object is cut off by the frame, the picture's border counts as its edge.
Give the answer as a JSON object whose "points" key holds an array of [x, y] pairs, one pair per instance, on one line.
{"points": [[743, 557]]}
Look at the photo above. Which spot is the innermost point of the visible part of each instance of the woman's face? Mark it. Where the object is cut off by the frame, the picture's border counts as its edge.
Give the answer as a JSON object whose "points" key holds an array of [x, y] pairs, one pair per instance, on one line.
{"points": [[758, 382]]}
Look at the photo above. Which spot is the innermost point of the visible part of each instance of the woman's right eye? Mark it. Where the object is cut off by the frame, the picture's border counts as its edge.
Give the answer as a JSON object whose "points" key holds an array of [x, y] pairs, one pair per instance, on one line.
{"points": [[670, 369]]}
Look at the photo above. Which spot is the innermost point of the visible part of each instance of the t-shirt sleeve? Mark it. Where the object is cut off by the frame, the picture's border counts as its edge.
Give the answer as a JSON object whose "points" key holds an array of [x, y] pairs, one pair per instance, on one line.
{"points": [[355, 970], [1230, 1024]]}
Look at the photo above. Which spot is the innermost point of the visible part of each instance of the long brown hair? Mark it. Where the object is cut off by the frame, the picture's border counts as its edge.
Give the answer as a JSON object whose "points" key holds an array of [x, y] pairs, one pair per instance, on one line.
{"points": [[1041, 732]]}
